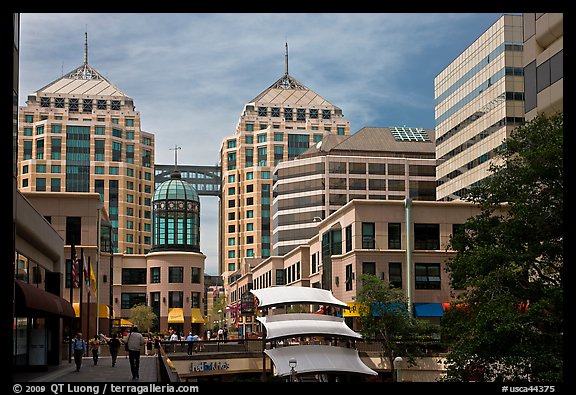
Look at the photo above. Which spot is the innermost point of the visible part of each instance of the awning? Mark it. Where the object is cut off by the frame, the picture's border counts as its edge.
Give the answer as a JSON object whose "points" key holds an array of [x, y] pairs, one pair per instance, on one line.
{"points": [[305, 324], [317, 358], [32, 301], [428, 310], [273, 296], [103, 310], [176, 315], [124, 322], [379, 309], [197, 317]]}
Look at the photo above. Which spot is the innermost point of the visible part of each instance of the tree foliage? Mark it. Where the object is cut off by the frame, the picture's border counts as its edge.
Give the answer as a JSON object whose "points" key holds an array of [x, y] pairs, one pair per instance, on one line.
{"points": [[143, 317], [386, 320], [509, 259]]}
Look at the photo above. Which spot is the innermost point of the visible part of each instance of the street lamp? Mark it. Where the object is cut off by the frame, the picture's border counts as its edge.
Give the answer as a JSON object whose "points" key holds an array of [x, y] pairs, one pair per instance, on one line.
{"points": [[397, 362], [292, 362]]}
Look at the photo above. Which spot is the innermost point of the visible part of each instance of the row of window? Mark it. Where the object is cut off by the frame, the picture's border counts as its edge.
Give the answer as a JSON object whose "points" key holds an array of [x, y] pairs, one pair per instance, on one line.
{"points": [[288, 113], [73, 104], [137, 276], [29, 118], [175, 299]]}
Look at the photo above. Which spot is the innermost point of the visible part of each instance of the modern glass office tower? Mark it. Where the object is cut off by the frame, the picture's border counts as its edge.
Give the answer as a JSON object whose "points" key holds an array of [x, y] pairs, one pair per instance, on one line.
{"points": [[479, 101], [277, 125], [80, 133]]}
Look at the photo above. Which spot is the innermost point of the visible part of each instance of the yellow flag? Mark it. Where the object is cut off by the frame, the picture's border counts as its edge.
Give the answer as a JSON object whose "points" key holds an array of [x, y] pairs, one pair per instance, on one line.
{"points": [[93, 281]]}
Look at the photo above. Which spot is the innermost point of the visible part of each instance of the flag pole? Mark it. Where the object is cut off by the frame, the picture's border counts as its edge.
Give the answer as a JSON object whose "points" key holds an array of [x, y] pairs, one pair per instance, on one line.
{"points": [[88, 302], [81, 284]]}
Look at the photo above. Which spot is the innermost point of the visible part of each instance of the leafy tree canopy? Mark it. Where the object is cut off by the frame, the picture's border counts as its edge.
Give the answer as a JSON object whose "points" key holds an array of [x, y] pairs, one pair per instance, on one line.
{"points": [[143, 317], [509, 259]]}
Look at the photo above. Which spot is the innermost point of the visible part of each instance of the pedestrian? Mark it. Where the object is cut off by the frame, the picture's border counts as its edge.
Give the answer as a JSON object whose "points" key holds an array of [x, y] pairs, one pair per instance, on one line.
{"points": [[114, 345], [79, 350], [133, 345], [95, 348], [190, 342], [174, 339], [149, 342], [157, 344], [225, 334], [220, 334]]}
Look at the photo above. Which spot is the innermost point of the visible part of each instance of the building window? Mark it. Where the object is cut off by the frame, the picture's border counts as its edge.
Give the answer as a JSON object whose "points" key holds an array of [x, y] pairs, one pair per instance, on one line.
{"points": [[326, 114], [175, 299], [250, 252], [133, 276], [131, 299], [340, 131], [249, 127], [369, 268], [176, 274], [129, 122], [395, 274], [231, 241], [394, 234], [155, 275], [262, 111], [231, 254], [250, 213], [196, 275], [55, 185], [249, 226], [368, 235], [288, 114], [426, 236], [427, 275], [300, 114], [349, 277], [101, 104], [115, 105], [349, 238], [231, 144], [280, 277], [40, 185]]}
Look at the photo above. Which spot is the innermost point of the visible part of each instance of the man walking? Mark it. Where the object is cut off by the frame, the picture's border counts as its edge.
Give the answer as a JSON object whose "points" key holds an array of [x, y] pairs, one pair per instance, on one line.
{"points": [[133, 345], [79, 350]]}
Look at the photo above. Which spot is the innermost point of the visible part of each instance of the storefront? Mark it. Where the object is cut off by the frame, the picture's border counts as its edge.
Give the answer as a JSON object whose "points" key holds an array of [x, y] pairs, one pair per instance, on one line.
{"points": [[38, 326]]}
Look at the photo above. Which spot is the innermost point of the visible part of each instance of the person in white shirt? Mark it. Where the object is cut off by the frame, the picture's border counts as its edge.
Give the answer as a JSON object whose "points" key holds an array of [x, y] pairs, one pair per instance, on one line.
{"points": [[174, 339], [133, 345]]}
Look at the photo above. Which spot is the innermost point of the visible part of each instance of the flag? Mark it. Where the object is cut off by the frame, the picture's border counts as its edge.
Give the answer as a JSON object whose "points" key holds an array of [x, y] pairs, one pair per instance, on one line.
{"points": [[93, 279], [74, 260], [86, 275]]}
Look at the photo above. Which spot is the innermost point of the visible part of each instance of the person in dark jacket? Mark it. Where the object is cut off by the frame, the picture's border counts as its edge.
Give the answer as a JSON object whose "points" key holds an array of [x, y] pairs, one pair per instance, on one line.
{"points": [[114, 345]]}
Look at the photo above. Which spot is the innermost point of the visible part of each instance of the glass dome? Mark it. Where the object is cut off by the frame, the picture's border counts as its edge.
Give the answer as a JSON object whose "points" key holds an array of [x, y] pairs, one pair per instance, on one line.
{"points": [[176, 216]]}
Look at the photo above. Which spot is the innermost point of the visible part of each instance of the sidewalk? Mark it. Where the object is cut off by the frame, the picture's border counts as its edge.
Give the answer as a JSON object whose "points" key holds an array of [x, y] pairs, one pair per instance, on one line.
{"points": [[103, 372]]}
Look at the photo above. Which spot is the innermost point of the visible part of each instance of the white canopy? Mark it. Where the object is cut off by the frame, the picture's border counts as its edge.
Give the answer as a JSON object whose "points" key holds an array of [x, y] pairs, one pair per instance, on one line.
{"points": [[305, 324], [317, 358], [274, 296]]}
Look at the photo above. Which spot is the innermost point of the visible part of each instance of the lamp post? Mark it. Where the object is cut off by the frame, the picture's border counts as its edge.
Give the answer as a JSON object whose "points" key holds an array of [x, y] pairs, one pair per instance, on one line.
{"points": [[292, 362], [397, 362]]}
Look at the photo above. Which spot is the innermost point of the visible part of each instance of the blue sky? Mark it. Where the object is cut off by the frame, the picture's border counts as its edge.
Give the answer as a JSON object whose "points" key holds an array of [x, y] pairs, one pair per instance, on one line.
{"points": [[190, 75]]}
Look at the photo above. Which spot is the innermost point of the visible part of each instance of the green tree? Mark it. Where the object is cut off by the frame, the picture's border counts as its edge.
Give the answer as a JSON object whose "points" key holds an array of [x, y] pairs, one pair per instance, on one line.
{"points": [[509, 261], [142, 316], [386, 320]]}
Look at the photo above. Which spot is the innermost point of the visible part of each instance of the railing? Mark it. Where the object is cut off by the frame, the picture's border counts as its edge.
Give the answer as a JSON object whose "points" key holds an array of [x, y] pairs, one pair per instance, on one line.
{"points": [[166, 371]]}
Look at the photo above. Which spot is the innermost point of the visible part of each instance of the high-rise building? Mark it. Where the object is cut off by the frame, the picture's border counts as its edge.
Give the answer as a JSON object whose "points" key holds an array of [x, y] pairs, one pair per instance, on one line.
{"points": [[80, 133], [374, 163], [277, 125], [479, 100], [543, 63]]}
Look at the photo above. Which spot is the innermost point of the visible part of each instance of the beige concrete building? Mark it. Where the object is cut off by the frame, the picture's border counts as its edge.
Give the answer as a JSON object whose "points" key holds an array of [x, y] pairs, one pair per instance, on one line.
{"points": [[277, 125], [82, 220], [80, 133], [374, 163], [367, 236], [543, 63], [479, 100]]}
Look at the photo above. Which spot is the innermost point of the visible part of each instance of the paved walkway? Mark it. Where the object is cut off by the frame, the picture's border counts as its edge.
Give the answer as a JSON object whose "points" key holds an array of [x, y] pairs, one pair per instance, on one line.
{"points": [[102, 372]]}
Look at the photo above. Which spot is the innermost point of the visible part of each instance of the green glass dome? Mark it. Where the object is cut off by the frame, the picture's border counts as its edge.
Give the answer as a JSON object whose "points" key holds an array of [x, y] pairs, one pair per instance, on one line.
{"points": [[175, 189]]}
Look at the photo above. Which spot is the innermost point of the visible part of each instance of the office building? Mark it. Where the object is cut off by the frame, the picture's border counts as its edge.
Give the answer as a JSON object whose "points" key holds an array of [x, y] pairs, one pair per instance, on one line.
{"points": [[80, 133], [277, 125], [543, 63], [479, 100], [374, 163]]}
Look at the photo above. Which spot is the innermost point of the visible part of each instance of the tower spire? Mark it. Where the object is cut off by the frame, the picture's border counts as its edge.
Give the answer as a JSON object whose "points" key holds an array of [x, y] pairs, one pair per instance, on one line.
{"points": [[286, 59], [176, 148], [86, 45]]}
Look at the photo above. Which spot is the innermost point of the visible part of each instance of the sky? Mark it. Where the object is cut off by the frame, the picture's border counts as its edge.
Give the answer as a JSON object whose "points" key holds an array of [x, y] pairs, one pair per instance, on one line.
{"points": [[190, 74]]}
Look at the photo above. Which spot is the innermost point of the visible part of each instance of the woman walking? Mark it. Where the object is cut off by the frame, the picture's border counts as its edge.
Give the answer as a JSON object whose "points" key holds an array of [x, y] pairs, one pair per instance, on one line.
{"points": [[95, 347]]}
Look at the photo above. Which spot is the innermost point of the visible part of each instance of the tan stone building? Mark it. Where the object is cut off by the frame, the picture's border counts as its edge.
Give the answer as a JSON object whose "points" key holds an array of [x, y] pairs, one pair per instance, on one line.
{"points": [[80, 133], [543, 63], [374, 163], [479, 100], [367, 236], [277, 125]]}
